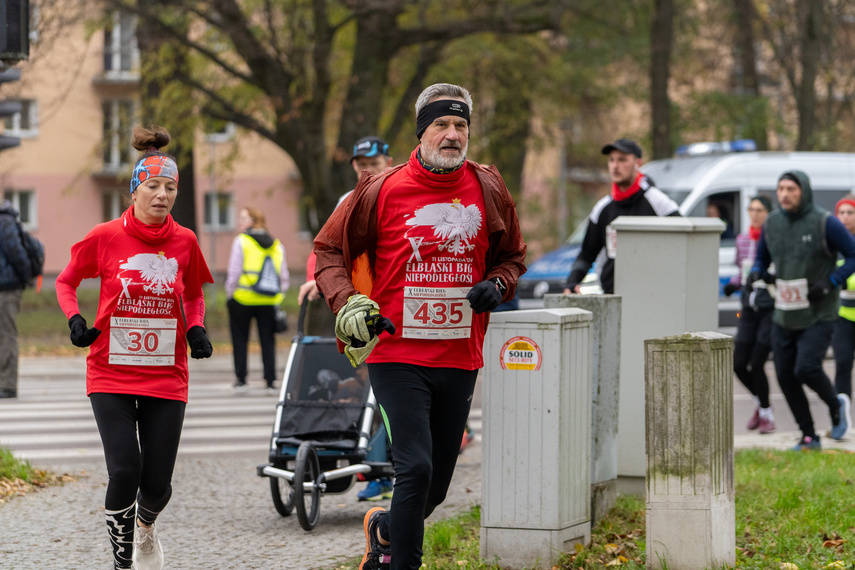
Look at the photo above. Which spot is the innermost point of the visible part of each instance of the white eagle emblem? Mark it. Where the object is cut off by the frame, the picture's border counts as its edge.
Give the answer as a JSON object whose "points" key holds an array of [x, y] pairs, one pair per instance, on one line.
{"points": [[454, 223], [156, 269]]}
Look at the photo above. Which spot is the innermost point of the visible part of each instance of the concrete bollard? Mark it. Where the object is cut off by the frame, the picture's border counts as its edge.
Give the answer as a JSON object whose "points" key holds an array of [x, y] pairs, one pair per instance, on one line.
{"points": [[691, 520], [605, 393], [535, 465]]}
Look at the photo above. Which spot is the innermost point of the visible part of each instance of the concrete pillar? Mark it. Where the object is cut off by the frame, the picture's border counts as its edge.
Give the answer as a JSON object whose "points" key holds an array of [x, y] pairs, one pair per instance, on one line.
{"points": [[691, 520], [666, 271], [605, 391], [535, 464]]}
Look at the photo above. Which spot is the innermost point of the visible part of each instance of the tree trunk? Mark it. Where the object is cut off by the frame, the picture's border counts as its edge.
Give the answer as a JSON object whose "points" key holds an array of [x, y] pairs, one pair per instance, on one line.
{"points": [[810, 43], [152, 40], [746, 18], [661, 42]]}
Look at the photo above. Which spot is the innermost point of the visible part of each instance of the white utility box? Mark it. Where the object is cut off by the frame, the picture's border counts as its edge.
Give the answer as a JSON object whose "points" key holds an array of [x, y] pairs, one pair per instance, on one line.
{"points": [[536, 452]]}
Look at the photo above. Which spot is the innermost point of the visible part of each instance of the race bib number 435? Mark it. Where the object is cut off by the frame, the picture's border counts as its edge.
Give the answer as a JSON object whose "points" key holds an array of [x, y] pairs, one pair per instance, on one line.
{"points": [[436, 312], [142, 342]]}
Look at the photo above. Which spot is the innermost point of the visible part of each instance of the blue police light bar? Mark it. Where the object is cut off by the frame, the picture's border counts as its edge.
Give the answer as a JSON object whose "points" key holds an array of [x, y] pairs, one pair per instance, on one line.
{"points": [[720, 147]]}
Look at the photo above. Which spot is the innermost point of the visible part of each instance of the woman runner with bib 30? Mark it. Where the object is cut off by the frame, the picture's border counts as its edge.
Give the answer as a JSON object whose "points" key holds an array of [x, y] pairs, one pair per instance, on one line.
{"points": [[150, 305]]}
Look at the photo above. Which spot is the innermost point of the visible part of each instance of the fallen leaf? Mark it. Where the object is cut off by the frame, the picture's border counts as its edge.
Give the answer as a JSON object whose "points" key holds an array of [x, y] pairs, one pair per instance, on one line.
{"points": [[615, 562], [835, 565], [612, 548], [832, 543], [578, 546], [788, 566]]}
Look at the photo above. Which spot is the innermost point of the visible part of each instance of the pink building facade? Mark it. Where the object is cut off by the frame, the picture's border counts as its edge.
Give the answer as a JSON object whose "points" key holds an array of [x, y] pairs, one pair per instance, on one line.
{"points": [[71, 171]]}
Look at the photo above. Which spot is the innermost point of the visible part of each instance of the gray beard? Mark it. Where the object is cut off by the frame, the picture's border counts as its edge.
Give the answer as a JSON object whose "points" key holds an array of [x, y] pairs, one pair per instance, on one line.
{"points": [[434, 157]]}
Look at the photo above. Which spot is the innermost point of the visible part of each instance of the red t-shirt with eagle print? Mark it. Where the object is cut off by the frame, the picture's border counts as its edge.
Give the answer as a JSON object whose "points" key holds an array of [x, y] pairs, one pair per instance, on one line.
{"points": [[432, 245], [148, 283]]}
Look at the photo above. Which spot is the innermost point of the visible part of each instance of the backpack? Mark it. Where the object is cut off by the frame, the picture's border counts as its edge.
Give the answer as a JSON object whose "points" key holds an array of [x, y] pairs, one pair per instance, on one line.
{"points": [[35, 251], [268, 279]]}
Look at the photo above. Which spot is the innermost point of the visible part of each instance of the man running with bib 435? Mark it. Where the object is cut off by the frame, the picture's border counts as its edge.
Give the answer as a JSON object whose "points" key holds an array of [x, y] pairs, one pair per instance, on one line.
{"points": [[444, 248]]}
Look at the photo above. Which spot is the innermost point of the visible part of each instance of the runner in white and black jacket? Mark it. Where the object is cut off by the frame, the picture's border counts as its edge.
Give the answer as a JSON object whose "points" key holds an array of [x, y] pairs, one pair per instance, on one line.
{"points": [[632, 194]]}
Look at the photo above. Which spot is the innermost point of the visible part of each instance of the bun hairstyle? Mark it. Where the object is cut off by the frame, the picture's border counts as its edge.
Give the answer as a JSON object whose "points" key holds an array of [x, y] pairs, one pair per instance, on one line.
{"points": [[149, 140]]}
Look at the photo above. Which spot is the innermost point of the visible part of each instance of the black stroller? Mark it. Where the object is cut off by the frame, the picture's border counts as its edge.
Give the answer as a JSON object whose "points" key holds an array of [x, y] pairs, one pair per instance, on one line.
{"points": [[322, 435]]}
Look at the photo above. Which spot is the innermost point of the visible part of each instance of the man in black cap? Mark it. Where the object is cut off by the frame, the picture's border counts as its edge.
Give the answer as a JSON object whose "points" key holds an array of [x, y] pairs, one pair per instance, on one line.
{"points": [[632, 194]]}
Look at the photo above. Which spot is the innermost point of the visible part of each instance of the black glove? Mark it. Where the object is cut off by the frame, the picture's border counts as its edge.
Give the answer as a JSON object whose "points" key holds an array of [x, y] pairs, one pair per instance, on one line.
{"points": [[729, 289], [200, 346], [80, 335], [484, 296], [383, 324], [819, 290], [376, 324]]}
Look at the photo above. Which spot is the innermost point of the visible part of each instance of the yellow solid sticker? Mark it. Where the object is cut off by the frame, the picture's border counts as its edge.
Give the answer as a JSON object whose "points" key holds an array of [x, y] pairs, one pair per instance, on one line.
{"points": [[520, 353]]}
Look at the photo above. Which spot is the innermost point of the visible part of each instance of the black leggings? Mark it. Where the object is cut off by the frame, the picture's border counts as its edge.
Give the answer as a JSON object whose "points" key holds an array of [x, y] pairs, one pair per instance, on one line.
{"points": [[426, 410], [240, 317], [141, 471], [751, 348]]}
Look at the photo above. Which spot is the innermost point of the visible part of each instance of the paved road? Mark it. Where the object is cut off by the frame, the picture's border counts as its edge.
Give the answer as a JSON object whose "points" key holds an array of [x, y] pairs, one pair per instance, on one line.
{"points": [[220, 516], [52, 420]]}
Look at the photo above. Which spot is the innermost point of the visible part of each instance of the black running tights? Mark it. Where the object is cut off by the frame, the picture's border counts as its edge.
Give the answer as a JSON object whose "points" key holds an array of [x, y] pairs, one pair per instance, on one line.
{"points": [[138, 471], [425, 410]]}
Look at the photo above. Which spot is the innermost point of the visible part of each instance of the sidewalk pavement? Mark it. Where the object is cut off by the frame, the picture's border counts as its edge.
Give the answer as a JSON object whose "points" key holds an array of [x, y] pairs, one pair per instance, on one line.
{"points": [[221, 514]]}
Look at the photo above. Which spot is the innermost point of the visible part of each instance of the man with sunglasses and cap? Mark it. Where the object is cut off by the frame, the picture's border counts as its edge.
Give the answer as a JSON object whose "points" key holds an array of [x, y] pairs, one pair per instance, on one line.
{"points": [[444, 248], [632, 194]]}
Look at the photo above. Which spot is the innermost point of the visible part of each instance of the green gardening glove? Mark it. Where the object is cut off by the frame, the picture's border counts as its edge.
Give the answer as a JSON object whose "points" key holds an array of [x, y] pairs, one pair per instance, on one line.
{"points": [[358, 324], [357, 355]]}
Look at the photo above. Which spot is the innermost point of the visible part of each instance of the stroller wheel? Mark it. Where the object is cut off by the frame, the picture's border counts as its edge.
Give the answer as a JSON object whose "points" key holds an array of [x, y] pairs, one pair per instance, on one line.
{"points": [[280, 488], [306, 489]]}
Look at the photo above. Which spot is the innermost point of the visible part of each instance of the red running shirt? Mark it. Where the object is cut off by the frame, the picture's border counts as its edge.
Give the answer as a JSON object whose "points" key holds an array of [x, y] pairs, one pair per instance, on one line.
{"points": [[432, 244], [148, 279]]}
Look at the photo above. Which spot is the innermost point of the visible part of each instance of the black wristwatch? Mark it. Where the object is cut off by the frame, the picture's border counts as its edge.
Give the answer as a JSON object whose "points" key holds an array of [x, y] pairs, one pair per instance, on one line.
{"points": [[499, 285]]}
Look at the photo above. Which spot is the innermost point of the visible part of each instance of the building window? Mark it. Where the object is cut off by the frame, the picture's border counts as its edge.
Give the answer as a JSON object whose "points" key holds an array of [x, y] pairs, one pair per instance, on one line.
{"points": [[26, 123], [118, 125], [219, 213], [121, 54], [113, 203], [25, 202]]}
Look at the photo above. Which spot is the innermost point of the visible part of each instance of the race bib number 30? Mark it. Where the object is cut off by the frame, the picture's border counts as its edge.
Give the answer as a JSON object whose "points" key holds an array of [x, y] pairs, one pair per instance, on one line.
{"points": [[436, 312], [142, 342], [792, 294]]}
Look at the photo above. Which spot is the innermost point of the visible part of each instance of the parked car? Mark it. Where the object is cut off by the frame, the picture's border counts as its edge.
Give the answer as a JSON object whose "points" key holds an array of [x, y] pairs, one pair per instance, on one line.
{"points": [[727, 180]]}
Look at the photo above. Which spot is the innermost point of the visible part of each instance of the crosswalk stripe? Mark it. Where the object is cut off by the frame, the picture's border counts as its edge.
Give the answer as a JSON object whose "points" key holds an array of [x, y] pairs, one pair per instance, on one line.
{"points": [[52, 423]]}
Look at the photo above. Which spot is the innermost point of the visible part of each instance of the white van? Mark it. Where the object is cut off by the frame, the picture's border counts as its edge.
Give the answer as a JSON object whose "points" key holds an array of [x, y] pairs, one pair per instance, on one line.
{"points": [[729, 181]]}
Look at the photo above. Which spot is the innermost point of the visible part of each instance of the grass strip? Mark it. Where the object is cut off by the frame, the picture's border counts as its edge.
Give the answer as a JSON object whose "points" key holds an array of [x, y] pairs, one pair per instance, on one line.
{"points": [[793, 511], [18, 478]]}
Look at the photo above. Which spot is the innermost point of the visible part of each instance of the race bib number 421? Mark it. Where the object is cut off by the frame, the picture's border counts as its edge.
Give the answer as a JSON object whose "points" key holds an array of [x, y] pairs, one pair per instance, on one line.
{"points": [[142, 341], [792, 294], [436, 312]]}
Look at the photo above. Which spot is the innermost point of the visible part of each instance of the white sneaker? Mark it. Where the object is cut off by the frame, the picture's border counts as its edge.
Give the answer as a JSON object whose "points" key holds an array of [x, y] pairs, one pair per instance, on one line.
{"points": [[846, 411], [148, 553]]}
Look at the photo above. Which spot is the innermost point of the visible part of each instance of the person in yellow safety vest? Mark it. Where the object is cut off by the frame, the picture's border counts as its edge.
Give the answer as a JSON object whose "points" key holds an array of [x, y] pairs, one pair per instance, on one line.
{"points": [[256, 282], [843, 341]]}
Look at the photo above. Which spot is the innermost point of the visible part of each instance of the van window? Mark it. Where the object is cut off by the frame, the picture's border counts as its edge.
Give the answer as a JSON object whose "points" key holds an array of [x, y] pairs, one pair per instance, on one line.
{"points": [[725, 206]]}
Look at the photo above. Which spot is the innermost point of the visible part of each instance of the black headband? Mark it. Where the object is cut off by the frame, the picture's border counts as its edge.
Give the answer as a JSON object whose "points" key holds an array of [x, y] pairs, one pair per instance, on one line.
{"points": [[432, 111]]}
